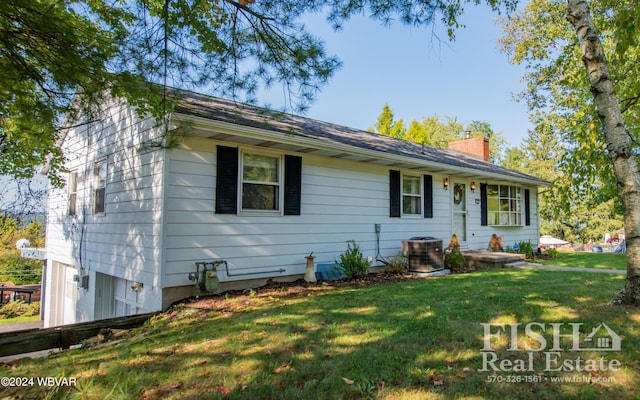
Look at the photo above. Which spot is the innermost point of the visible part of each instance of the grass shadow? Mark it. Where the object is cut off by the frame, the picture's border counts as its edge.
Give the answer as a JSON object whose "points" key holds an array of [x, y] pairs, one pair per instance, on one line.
{"points": [[413, 339]]}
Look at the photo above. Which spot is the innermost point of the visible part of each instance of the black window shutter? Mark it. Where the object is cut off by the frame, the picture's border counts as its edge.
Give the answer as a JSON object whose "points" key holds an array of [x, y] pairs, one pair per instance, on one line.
{"points": [[227, 180], [483, 204], [527, 208], [292, 184], [428, 196], [394, 193]]}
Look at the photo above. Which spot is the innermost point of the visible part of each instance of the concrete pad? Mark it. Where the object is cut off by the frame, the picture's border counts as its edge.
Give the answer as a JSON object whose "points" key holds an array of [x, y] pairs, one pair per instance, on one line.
{"points": [[429, 274]]}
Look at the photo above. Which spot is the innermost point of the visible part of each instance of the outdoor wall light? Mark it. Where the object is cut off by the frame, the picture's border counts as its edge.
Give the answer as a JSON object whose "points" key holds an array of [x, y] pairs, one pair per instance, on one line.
{"points": [[136, 287], [473, 186], [445, 183]]}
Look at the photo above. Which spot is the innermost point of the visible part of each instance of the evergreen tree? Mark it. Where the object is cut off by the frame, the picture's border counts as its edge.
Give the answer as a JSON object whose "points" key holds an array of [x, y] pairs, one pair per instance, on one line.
{"points": [[387, 125]]}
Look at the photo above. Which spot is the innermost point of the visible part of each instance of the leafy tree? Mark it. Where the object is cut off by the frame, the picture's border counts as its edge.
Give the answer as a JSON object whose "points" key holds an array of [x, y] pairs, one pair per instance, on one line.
{"points": [[434, 132], [598, 126], [13, 267], [514, 158], [61, 58], [386, 125]]}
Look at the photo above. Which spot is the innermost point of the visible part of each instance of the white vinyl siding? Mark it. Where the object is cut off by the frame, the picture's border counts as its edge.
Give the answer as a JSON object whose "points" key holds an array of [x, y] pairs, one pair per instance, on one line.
{"points": [[341, 200], [126, 241]]}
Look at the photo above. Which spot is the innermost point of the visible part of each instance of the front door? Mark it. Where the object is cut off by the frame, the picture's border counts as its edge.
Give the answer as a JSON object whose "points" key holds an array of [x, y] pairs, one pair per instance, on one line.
{"points": [[459, 207]]}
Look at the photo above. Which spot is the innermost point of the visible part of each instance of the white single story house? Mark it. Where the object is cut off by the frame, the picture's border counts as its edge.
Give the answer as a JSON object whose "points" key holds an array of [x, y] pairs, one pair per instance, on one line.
{"points": [[258, 190]]}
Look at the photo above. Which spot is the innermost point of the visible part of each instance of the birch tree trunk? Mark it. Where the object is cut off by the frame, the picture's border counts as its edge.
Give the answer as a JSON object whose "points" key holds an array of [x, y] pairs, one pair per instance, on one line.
{"points": [[617, 140]]}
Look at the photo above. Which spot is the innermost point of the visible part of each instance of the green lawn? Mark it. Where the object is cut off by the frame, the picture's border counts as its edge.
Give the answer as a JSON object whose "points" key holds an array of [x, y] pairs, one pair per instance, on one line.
{"points": [[588, 260], [29, 318], [417, 339]]}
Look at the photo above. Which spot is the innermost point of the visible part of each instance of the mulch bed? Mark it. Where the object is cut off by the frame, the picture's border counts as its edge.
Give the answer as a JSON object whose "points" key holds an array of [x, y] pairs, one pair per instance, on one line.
{"points": [[236, 300]]}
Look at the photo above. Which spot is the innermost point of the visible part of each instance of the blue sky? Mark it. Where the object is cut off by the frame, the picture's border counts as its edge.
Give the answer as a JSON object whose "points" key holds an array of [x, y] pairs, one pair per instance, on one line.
{"points": [[418, 76]]}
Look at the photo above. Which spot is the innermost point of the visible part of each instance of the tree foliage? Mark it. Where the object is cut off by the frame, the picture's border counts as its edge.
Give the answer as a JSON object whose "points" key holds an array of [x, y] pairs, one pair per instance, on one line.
{"points": [[14, 268], [557, 89], [585, 80], [432, 131], [61, 58], [387, 125]]}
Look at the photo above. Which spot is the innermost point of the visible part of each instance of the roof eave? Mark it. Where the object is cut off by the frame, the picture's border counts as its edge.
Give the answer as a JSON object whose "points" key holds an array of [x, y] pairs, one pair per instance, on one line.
{"points": [[221, 130]]}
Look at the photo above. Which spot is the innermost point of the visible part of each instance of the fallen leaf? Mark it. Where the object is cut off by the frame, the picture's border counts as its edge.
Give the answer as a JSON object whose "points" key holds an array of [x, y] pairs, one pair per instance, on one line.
{"points": [[348, 381], [223, 390]]}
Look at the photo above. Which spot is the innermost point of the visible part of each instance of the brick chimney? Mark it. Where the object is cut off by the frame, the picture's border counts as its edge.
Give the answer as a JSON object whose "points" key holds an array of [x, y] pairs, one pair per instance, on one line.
{"points": [[477, 147]]}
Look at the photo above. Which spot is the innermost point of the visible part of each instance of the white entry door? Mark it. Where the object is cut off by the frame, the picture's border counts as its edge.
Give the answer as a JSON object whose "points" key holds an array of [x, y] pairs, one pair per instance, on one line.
{"points": [[459, 207]]}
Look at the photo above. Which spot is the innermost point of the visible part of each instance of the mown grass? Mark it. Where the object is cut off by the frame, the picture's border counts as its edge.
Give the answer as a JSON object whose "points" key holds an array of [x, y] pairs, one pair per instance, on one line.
{"points": [[588, 260], [23, 318], [417, 339]]}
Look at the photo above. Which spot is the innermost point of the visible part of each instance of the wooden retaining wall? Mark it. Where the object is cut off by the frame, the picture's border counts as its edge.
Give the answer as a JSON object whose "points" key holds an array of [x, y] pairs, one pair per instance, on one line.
{"points": [[62, 337]]}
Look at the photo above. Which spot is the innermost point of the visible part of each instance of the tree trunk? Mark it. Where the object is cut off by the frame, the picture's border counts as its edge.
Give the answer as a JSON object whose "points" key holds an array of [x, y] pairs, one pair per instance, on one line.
{"points": [[617, 139]]}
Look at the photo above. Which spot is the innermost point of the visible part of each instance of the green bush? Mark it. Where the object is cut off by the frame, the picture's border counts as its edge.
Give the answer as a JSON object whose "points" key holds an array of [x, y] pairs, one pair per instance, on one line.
{"points": [[525, 248], [32, 309], [454, 260], [553, 253], [353, 262], [19, 308], [13, 309], [397, 265]]}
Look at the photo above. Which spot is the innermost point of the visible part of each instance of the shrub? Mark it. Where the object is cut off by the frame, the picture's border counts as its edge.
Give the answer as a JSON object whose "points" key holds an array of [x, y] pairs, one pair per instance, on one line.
{"points": [[13, 309], [397, 265], [525, 248], [454, 260], [553, 253], [19, 308], [353, 262], [32, 309]]}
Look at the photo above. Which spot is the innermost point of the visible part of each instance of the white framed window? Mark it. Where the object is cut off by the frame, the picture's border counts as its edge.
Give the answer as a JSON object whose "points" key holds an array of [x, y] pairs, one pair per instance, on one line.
{"points": [[411, 195], [260, 182], [99, 187], [504, 205], [72, 193]]}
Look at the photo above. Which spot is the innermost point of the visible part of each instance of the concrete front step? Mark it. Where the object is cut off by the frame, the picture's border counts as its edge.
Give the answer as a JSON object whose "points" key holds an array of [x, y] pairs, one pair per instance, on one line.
{"points": [[479, 259]]}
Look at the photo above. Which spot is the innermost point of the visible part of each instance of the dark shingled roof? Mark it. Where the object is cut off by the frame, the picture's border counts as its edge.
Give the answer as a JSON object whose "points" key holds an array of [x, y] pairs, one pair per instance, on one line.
{"points": [[194, 104]]}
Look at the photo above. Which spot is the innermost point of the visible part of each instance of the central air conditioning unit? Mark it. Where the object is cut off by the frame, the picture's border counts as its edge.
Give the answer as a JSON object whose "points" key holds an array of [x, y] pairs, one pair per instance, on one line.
{"points": [[424, 254]]}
